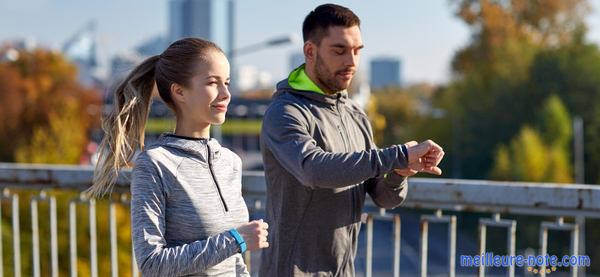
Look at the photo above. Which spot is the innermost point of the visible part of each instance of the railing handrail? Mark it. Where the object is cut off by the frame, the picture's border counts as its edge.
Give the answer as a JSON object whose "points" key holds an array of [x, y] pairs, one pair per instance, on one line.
{"points": [[428, 193]]}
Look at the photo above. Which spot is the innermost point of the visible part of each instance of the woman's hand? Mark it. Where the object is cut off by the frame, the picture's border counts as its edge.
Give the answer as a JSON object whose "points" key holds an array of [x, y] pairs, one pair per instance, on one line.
{"points": [[255, 234]]}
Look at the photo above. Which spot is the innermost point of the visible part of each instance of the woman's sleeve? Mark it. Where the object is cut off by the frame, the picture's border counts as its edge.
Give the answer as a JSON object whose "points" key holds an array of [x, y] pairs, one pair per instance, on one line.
{"points": [[153, 256]]}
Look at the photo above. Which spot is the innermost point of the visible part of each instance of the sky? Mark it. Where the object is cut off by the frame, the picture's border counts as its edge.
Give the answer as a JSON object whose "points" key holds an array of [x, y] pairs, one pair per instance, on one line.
{"points": [[423, 34]]}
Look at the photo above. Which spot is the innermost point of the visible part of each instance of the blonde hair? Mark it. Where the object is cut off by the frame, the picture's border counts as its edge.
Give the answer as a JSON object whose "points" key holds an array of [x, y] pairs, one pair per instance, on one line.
{"points": [[124, 126]]}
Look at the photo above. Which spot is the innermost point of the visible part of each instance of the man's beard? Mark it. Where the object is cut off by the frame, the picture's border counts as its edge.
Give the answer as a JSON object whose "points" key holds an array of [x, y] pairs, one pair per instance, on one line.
{"points": [[327, 78]]}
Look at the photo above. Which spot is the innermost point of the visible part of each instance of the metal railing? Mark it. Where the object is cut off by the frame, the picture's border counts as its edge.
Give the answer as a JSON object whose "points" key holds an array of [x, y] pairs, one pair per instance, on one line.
{"points": [[442, 196]]}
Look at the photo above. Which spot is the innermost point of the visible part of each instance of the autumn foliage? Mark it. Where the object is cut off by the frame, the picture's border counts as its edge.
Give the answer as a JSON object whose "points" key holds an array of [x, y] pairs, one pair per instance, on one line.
{"points": [[46, 114]]}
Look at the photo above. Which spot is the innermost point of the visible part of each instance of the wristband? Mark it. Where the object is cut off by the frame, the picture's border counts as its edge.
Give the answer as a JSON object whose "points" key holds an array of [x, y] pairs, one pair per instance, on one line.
{"points": [[239, 239]]}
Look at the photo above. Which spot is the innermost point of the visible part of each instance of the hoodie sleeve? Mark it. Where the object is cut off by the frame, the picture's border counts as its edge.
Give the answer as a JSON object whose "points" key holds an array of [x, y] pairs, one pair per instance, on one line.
{"points": [[285, 133], [389, 191], [154, 257]]}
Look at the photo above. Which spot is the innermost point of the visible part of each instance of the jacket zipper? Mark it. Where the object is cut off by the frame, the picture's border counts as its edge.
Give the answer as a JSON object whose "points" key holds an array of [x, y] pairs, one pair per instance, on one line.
{"points": [[214, 178], [343, 132], [342, 128]]}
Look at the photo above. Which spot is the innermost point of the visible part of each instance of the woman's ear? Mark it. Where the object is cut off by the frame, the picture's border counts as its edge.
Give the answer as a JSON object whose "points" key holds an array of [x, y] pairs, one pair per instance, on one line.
{"points": [[177, 93]]}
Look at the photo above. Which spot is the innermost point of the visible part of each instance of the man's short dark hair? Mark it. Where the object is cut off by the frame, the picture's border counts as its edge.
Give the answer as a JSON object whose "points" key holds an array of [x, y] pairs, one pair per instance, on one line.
{"points": [[318, 21]]}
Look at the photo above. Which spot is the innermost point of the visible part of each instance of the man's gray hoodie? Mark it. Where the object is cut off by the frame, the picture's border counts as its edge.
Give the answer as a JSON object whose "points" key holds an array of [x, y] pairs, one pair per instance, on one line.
{"points": [[185, 195], [320, 161]]}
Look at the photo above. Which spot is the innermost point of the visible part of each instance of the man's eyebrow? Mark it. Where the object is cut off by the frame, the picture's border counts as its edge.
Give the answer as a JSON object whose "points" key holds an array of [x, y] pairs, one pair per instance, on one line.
{"points": [[338, 45]]}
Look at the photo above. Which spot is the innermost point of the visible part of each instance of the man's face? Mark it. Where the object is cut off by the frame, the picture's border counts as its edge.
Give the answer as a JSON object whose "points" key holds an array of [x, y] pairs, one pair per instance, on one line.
{"points": [[337, 58]]}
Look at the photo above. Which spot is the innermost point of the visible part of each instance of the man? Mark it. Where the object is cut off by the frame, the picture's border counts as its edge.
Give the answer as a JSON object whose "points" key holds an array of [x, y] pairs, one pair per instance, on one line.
{"points": [[320, 159]]}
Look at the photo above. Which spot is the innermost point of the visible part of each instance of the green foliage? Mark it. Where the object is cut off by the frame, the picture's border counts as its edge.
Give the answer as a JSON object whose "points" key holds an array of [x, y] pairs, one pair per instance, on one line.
{"points": [[555, 123], [572, 73], [539, 155], [529, 158], [230, 127], [513, 63]]}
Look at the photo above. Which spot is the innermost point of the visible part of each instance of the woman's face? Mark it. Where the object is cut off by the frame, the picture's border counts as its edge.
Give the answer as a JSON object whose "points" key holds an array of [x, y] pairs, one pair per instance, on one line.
{"points": [[207, 96]]}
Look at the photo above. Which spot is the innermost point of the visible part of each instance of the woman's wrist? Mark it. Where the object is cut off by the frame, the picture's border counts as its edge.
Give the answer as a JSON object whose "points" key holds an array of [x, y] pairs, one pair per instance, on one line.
{"points": [[239, 239]]}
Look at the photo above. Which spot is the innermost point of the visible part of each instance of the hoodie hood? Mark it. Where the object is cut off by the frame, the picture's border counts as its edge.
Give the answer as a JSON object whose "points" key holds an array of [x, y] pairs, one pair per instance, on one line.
{"points": [[331, 99], [299, 83]]}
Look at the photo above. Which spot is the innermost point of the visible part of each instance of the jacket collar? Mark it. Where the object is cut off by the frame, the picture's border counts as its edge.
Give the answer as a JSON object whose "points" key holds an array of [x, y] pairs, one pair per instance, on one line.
{"points": [[196, 147]]}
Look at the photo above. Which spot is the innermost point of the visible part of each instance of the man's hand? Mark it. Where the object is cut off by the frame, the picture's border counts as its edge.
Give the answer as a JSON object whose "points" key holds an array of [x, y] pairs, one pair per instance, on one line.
{"points": [[422, 157]]}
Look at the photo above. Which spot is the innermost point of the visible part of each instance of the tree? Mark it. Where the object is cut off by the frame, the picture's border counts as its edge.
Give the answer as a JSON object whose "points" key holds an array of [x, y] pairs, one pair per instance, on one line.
{"points": [[492, 93], [571, 72], [396, 113], [47, 114], [538, 155], [513, 29]]}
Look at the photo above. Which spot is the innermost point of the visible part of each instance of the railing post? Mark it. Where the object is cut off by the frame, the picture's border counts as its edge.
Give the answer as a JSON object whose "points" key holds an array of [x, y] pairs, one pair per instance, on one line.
{"points": [[369, 256], [91, 203], [439, 218], [134, 268], [35, 237], [397, 225], [114, 251], [35, 233], [1, 236], [73, 236], [580, 220], [16, 235], [559, 225], [423, 250], [53, 237], [495, 221]]}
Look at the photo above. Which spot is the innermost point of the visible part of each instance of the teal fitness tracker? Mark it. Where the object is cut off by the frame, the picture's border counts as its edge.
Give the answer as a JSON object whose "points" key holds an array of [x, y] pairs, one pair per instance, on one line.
{"points": [[239, 239]]}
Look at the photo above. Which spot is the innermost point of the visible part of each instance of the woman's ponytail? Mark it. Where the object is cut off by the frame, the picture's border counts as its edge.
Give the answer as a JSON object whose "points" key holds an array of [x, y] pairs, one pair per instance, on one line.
{"points": [[124, 126]]}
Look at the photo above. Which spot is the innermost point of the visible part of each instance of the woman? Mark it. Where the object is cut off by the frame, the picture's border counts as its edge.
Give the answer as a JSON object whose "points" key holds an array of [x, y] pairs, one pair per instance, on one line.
{"points": [[188, 214]]}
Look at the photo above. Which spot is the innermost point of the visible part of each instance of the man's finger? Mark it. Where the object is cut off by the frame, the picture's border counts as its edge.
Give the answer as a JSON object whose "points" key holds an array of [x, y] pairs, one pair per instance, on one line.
{"points": [[433, 170]]}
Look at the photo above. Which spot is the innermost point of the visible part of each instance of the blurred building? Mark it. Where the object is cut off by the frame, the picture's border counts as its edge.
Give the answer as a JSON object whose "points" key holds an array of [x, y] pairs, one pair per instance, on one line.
{"points": [[249, 77], [385, 72], [123, 63], [153, 46], [81, 49], [208, 19]]}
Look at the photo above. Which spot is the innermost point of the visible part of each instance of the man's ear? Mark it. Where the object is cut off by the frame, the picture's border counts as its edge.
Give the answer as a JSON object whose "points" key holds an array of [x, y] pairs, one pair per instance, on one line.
{"points": [[310, 51], [177, 93]]}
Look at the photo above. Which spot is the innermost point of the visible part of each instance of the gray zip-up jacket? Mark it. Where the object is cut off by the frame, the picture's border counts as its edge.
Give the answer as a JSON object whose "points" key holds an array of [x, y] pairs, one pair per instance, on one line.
{"points": [[185, 196], [320, 161]]}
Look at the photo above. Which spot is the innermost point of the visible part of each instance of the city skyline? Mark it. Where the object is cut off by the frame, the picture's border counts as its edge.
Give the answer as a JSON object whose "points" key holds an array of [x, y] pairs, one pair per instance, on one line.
{"points": [[424, 35]]}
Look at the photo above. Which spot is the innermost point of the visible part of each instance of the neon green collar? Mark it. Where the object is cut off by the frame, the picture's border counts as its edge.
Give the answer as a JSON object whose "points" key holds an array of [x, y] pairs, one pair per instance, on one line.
{"points": [[300, 81]]}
